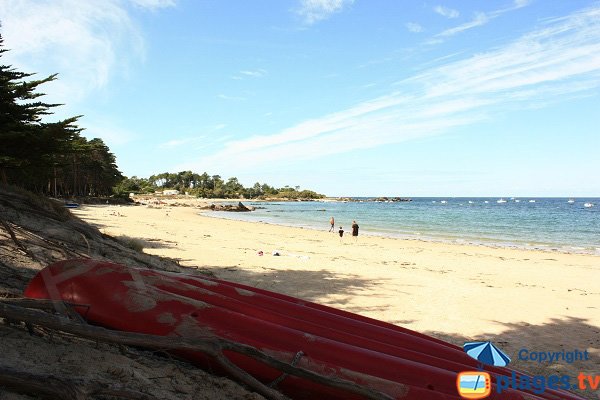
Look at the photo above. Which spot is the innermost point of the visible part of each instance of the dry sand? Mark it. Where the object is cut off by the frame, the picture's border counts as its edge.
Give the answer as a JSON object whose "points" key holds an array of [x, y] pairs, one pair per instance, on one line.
{"points": [[541, 301]]}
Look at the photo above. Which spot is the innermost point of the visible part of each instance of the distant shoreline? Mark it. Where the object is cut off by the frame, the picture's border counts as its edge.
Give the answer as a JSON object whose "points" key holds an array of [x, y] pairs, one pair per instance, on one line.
{"points": [[313, 217], [415, 238]]}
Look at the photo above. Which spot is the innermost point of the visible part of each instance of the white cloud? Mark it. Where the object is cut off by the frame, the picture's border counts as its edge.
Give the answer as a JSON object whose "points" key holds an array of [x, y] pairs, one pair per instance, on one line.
{"points": [[195, 143], [556, 62], [208, 138], [317, 10], [83, 41], [226, 97], [522, 3], [414, 27], [257, 73], [446, 12], [479, 20], [154, 4]]}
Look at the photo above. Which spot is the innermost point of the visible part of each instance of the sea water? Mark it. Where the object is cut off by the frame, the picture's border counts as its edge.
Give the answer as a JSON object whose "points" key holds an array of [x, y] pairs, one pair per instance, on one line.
{"points": [[537, 223]]}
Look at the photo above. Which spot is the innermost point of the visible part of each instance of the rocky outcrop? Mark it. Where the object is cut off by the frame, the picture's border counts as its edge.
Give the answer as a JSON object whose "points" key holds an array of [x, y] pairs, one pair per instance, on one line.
{"points": [[240, 207], [392, 200]]}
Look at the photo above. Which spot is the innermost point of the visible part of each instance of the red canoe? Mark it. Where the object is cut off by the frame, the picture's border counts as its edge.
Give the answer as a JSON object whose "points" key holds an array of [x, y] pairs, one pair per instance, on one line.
{"points": [[396, 361]]}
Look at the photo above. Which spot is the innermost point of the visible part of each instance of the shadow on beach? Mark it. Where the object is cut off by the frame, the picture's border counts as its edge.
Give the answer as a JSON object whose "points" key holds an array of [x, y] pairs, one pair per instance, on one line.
{"points": [[309, 285], [555, 336]]}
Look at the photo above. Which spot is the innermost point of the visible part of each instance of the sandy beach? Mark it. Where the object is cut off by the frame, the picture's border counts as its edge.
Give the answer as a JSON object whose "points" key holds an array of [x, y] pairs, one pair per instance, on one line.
{"points": [[520, 299]]}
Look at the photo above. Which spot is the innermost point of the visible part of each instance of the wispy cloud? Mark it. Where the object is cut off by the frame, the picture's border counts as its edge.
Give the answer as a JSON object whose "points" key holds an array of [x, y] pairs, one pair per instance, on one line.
{"points": [[482, 18], [522, 3], [154, 4], [559, 60], [317, 10], [82, 40], [446, 12], [414, 27], [234, 98], [208, 138], [256, 73]]}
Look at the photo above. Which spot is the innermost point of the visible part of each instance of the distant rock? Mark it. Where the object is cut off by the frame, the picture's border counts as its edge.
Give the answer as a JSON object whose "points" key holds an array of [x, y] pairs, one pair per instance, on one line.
{"points": [[391, 200], [240, 207]]}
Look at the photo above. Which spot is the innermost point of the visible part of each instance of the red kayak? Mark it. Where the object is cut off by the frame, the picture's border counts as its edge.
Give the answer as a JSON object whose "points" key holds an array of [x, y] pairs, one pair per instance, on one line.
{"points": [[398, 362]]}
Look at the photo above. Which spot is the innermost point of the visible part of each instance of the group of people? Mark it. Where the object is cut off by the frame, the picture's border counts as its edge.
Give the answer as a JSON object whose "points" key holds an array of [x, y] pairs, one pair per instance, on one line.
{"points": [[341, 230]]}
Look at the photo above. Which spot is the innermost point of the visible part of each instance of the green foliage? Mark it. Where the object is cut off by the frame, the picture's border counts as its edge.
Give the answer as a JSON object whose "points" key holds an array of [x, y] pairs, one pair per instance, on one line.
{"points": [[207, 186], [133, 185], [47, 157]]}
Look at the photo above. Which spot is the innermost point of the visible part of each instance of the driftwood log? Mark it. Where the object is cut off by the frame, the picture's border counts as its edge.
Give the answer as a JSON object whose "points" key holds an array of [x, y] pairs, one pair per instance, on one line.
{"points": [[211, 346]]}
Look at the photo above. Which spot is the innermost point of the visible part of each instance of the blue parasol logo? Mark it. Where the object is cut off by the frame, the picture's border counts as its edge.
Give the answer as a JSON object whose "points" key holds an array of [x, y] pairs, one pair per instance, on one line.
{"points": [[486, 353]]}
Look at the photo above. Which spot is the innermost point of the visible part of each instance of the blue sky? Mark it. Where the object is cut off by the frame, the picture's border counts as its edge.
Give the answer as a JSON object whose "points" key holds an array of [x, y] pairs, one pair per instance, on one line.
{"points": [[377, 97]]}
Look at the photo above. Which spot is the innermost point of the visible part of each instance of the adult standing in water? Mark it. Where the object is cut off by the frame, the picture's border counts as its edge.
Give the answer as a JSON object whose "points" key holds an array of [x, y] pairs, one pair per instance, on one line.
{"points": [[332, 222], [355, 230]]}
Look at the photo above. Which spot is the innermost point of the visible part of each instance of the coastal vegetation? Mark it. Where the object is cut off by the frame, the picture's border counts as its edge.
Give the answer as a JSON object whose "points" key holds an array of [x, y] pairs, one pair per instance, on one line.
{"points": [[210, 186]]}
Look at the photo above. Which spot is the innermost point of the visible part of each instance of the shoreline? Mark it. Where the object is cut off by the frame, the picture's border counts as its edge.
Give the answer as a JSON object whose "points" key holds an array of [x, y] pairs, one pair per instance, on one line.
{"points": [[483, 242]]}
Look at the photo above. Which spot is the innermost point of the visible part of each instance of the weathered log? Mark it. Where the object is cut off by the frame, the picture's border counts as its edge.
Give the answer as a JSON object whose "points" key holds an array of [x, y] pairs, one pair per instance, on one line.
{"points": [[211, 346]]}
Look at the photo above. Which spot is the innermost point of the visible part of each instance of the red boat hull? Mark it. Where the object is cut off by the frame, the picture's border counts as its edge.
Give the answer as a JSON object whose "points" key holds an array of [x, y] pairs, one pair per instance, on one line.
{"points": [[396, 361]]}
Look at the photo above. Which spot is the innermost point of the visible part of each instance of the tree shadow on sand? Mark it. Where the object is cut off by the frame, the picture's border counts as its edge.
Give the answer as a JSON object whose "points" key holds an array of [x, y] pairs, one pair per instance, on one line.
{"points": [[558, 335], [309, 285]]}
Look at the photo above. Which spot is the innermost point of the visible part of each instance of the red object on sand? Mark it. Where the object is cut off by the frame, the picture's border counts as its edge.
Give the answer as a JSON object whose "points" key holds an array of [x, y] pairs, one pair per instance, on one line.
{"points": [[398, 362]]}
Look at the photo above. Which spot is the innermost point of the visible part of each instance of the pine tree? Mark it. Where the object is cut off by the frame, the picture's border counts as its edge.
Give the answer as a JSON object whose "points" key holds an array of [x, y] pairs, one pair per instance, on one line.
{"points": [[20, 120], [47, 157]]}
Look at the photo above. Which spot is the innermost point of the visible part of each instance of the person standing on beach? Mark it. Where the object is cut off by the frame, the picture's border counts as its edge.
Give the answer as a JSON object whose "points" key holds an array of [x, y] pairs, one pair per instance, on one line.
{"points": [[341, 232], [355, 230], [332, 222]]}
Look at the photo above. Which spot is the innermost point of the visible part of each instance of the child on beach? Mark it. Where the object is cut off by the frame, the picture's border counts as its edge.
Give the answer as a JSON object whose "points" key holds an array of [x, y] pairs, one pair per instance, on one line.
{"points": [[341, 232]]}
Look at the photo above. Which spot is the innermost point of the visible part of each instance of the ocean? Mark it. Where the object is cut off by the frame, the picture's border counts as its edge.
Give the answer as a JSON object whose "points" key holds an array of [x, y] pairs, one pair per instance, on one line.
{"points": [[553, 224]]}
